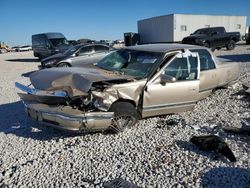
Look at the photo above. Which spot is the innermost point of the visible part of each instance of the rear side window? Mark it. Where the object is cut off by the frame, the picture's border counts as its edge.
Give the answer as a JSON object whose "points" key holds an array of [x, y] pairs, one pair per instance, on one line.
{"points": [[99, 48], [86, 50], [206, 60]]}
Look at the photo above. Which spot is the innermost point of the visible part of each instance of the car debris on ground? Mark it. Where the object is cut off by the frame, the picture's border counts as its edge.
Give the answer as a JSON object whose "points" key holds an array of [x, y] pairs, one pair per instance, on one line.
{"points": [[244, 130], [246, 87], [213, 143]]}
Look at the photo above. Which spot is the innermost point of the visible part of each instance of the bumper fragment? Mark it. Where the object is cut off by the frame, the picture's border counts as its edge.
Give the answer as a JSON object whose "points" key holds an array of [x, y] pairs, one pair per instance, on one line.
{"points": [[64, 117]]}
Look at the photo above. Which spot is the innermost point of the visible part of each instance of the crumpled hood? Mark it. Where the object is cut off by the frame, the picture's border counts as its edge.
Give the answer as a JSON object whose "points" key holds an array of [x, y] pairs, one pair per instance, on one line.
{"points": [[75, 81]]}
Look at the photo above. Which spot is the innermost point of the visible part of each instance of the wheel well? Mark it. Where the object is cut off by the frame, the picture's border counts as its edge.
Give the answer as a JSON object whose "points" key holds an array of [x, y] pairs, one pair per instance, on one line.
{"points": [[234, 39], [125, 100], [128, 101], [207, 41], [64, 63]]}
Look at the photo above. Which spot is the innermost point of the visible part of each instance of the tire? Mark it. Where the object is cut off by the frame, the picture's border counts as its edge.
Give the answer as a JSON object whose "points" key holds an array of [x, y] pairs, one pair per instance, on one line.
{"points": [[125, 116], [231, 45], [63, 65], [206, 44], [40, 57]]}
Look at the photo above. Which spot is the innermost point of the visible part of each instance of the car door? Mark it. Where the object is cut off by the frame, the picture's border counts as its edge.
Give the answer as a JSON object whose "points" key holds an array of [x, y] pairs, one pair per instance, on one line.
{"points": [[218, 37], [214, 38], [82, 56], [209, 77], [174, 88]]}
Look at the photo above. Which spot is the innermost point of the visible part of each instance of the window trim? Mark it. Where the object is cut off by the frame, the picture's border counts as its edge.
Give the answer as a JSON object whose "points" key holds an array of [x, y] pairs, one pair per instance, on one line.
{"points": [[158, 74], [101, 51], [212, 57]]}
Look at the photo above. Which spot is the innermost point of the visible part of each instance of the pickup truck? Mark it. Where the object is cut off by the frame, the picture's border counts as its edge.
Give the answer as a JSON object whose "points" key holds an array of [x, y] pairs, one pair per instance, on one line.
{"points": [[213, 37]]}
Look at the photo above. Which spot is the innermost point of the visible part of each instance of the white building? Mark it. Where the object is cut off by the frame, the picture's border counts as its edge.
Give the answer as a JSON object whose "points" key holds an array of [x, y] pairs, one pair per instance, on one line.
{"points": [[174, 27]]}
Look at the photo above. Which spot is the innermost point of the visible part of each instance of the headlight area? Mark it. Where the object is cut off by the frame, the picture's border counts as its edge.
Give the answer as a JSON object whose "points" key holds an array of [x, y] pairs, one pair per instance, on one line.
{"points": [[48, 63], [47, 97], [88, 104], [31, 90]]}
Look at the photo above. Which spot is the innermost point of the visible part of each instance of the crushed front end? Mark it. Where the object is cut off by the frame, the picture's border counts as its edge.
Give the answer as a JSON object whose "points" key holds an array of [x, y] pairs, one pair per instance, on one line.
{"points": [[57, 109]]}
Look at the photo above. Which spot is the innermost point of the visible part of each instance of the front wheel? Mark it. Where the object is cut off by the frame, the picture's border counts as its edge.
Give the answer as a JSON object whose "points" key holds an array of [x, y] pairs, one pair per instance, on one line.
{"points": [[63, 65], [125, 115], [231, 45]]}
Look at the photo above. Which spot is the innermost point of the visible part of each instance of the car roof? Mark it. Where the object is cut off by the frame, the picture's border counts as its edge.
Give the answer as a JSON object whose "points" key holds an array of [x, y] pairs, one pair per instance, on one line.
{"points": [[163, 48], [90, 44], [210, 28]]}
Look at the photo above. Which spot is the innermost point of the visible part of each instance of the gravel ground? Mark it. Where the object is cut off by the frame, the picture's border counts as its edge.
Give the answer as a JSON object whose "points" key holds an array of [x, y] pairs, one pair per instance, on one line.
{"points": [[151, 154]]}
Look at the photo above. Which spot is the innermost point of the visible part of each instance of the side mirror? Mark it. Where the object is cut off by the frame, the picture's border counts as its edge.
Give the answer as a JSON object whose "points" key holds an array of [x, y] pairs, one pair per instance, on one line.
{"points": [[77, 54], [167, 79]]}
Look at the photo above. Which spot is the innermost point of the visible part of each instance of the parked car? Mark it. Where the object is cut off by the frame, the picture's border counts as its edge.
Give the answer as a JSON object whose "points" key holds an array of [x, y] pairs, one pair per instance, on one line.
{"points": [[47, 44], [107, 42], [23, 48], [129, 84], [213, 37], [3, 51], [15, 48], [77, 56], [73, 42]]}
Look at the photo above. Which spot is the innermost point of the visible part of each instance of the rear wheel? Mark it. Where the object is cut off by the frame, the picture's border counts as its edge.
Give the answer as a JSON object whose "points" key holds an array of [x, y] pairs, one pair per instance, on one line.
{"points": [[231, 45], [125, 115], [40, 57]]}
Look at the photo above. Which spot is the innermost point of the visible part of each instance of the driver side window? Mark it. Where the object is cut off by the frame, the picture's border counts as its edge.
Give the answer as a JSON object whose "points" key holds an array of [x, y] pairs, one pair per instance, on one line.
{"points": [[183, 68]]}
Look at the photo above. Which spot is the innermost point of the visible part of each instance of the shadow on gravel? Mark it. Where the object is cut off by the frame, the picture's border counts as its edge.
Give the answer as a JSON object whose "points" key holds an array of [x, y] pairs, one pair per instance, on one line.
{"points": [[237, 57], [226, 177], [27, 60], [191, 147], [13, 120], [27, 74]]}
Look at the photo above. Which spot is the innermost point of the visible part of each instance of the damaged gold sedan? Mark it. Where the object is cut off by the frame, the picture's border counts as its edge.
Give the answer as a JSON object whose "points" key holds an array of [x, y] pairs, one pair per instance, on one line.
{"points": [[125, 86]]}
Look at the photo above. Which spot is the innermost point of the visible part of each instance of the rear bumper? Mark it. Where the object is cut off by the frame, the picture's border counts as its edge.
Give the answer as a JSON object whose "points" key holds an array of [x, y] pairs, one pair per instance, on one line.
{"points": [[64, 117]]}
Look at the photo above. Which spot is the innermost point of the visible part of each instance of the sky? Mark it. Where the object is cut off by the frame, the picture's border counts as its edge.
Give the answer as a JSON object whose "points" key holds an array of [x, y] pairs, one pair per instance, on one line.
{"points": [[98, 19]]}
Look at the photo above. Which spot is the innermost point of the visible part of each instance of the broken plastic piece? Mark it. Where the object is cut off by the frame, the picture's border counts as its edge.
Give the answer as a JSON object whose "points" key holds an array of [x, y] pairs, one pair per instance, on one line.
{"points": [[242, 130], [213, 143], [119, 183], [246, 87]]}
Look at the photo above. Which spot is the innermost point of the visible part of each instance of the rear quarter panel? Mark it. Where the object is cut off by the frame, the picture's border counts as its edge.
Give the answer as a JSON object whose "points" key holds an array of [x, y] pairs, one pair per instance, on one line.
{"points": [[228, 71]]}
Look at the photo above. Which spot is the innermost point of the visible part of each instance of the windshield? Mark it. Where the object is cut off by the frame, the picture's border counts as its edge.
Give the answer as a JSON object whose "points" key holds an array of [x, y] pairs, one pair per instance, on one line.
{"points": [[71, 50], [59, 41], [130, 62], [202, 31]]}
